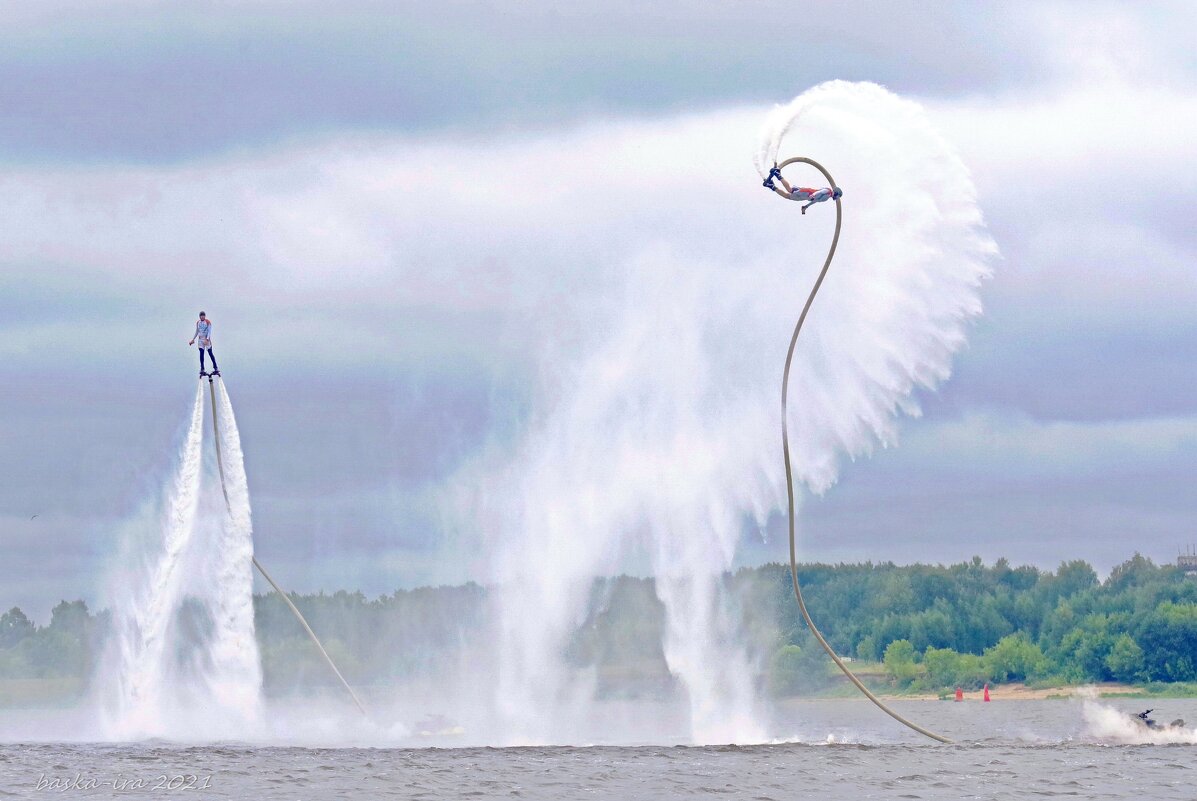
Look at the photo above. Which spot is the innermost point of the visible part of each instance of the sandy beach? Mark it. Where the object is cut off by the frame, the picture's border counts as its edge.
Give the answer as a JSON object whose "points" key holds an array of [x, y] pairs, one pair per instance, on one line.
{"points": [[1018, 691]]}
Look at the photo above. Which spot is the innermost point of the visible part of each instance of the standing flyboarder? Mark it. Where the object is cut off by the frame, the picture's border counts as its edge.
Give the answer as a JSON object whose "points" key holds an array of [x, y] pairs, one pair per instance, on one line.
{"points": [[203, 332]]}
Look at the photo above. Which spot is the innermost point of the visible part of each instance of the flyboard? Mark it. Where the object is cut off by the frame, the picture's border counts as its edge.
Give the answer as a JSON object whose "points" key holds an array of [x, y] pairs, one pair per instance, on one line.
{"points": [[294, 609], [785, 444]]}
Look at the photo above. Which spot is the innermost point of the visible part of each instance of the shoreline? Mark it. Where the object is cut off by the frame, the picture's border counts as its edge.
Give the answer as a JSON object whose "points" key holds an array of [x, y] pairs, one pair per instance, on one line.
{"points": [[1012, 691], [68, 693]]}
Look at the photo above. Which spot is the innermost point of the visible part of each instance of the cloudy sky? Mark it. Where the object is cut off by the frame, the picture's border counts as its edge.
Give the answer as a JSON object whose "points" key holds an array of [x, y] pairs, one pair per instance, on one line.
{"points": [[384, 208]]}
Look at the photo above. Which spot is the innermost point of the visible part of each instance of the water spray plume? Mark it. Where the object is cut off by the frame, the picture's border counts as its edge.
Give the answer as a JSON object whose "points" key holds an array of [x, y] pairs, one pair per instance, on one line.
{"points": [[651, 446], [236, 476], [141, 632], [1105, 722], [184, 657], [230, 651]]}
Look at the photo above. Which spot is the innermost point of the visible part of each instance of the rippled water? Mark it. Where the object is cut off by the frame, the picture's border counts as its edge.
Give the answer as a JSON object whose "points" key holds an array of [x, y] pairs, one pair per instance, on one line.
{"points": [[1005, 750]]}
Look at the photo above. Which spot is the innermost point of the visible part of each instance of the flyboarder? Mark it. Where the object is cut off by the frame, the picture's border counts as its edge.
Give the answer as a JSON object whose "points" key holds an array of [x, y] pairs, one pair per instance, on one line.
{"points": [[203, 332], [800, 193]]}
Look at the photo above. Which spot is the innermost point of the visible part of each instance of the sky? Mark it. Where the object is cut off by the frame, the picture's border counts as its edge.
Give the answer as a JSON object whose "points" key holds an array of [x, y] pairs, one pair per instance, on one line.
{"points": [[394, 211]]}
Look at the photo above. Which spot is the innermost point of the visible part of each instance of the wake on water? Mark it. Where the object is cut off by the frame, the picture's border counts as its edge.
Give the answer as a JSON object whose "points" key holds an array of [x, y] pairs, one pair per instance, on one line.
{"points": [[1106, 723]]}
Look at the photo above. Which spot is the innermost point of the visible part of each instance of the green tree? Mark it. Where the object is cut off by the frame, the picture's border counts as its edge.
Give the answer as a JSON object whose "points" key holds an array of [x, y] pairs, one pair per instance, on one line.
{"points": [[1168, 638], [866, 648], [942, 666], [14, 627], [1125, 660], [899, 661], [786, 670], [54, 653], [1134, 572], [1013, 658], [799, 668], [1071, 578], [70, 618], [946, 669], [1082, 651], [932, 628]]}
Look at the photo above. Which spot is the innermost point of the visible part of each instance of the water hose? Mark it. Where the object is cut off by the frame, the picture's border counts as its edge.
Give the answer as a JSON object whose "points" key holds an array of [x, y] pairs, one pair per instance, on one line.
{"points": [[298, 615], [785, 446]]}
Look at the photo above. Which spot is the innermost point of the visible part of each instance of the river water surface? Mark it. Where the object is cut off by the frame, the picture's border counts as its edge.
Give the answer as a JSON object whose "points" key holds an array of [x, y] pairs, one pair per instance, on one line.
{"points": [[835, 750]]}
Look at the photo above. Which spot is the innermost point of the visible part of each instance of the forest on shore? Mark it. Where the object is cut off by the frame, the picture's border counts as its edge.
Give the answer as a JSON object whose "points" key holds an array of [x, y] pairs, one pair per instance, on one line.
{"points": [[922, 628]]}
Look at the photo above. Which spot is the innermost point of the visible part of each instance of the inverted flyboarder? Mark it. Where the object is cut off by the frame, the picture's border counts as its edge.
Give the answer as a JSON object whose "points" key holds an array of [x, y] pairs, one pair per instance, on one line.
{"points": [[800, 193], [203, 332]]}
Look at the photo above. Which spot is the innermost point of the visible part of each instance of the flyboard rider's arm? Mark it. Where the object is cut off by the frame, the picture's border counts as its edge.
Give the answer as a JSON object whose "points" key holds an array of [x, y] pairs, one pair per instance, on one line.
{"points": [[195, 333], [816, 197]]}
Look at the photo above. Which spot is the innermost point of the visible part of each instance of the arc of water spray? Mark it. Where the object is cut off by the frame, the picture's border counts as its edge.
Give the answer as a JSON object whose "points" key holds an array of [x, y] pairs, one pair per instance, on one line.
{"points": [[294, 609], [785, 446]]}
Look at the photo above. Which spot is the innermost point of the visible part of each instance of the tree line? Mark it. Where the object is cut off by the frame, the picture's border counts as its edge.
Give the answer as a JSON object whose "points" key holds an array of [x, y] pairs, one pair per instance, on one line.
{"points": [[935, 627], [928, 627]]}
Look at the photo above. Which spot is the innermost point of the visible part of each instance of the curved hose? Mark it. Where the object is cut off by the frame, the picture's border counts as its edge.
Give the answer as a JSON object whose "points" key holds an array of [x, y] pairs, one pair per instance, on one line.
{"points": [[785, 446], [294, 609]]}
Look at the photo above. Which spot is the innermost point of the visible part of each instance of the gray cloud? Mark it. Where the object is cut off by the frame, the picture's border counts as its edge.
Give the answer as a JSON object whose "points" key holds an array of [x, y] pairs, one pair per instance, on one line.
{"points": [[157, 82], [1000, 486], [382, 300]]}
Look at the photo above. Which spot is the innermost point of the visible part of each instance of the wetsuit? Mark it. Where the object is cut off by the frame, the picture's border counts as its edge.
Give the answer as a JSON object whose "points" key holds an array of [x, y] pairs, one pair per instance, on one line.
{"points": [[814, 195]]}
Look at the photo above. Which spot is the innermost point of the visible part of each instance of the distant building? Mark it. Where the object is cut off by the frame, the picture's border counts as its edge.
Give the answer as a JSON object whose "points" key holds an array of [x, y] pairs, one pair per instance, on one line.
{"points": [[1187, 562]]}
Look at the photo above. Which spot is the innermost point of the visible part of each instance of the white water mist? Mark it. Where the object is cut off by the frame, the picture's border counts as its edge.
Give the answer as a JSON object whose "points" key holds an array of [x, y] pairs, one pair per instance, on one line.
{"points": [[235, 677], [182, 660], [1110, 724], [146, 593], [657, 442]]}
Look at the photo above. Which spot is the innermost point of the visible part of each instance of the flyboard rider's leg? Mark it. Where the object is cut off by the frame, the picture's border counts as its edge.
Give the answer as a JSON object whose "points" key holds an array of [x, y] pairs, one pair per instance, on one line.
{"points": [[201, 352], [817, 196], [212, 356], [773, 173]]}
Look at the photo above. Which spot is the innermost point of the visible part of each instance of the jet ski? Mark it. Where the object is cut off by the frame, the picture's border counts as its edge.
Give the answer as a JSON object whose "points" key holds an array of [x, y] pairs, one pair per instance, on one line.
{"points": [[1144, 719]]}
